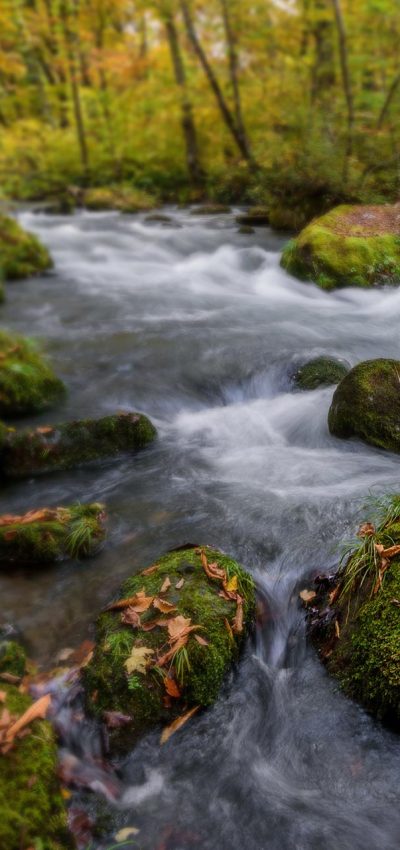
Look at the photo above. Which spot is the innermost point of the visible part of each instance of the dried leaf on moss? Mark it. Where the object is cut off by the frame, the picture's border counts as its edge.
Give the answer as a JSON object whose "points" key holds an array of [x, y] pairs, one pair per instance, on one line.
{"points": [[138, 659], [139, 602], [163, 606], [131, 618], [165, 585], [180, 584], [177, 724], [307, 595], [171, 687]]}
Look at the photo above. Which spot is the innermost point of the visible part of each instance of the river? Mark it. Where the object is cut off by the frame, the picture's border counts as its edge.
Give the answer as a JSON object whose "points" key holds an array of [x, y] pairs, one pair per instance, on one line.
{"points": [[198, 327]]}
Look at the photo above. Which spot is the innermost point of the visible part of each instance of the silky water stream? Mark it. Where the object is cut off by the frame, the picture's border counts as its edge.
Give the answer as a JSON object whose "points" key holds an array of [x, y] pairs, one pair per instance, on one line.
{"points": [[198, 327]]}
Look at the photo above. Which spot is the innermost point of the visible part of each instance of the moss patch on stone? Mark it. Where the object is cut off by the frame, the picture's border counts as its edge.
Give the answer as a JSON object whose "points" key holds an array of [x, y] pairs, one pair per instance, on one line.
{"points": [[142, 696], [21, 253], [349, 246], [32, 812], [27, 383], [366, 404], [73, 444], [319, 372], [12, 657], [51, 534], [125, 199], [364, 654]]}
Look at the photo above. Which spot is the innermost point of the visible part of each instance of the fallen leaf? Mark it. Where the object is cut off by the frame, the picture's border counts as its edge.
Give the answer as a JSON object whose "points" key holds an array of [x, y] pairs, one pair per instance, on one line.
{"points": [[391, 552], [139, 602], [3, 696], [231, 585], [149, 570], [178, 644], [180, 584], [229, 629], [177, 724], [202, 641], [131, 618], [307, 595], [334, 594], [44, 429], [125, 833], [171, 687], [163, 606], [138, 659], [237, 625], [148, 627], [36, 711], [165, 585], [115, 719], [10, 678], [337, 629], [366, 530], [396, 602]]}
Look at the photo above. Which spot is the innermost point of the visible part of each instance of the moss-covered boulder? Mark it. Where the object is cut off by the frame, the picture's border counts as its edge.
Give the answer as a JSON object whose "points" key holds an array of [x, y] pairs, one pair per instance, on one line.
{"points": [[27, 382], [254, 217], [354, 619], [72, 444], [12, 656], [366, 404], [126, 199], [211, 209], [21, 253], [47, 535], [349, 246], [32, 811], [319, 372], [166, 645]]}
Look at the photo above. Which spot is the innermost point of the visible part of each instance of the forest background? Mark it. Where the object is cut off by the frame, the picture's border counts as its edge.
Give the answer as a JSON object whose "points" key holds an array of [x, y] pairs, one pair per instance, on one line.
{"points": [[290, 104]]}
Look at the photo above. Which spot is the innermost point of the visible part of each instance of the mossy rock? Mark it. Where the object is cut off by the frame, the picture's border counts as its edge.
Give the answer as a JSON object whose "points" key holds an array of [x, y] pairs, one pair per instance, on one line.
{"points": [[349, 246], [47, 535], [125, 199], [32, 811], [27, 383], [21, 253], [366, 404], [199, 671], [364, 652], [158, 218], [319, 372], [12, 657], [254, 217], [246, 230], [211, 209], [72, 444]]}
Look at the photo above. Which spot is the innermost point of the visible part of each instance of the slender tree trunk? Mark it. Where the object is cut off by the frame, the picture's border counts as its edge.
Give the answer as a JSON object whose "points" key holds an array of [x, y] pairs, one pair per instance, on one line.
{"points": [[195, 170], [388, 100], [74, 81], [347, 88], [234, 75], [214, 84]]}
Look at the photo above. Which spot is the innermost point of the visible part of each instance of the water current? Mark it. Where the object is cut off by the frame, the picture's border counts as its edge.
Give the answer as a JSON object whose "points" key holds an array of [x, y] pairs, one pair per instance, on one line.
{"points": [[198, 327]]}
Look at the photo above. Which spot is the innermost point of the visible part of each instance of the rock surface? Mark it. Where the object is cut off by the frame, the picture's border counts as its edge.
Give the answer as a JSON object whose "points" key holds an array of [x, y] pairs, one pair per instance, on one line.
{"points": [[21, 253], [366, 404], [72, 444], [348, 246], [27, 383], [319, 372], [139, 670]]}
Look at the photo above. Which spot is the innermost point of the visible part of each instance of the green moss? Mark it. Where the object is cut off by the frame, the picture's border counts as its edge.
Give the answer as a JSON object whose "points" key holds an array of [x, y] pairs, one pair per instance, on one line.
{"points": [[72, 444], [201, 672], [333, 252], [21, 253], [319, 372], [53, 535], [210, 209], [126, 199], [12, 657], [32, 812], [27, 383], [366, 404], [254, 217]]}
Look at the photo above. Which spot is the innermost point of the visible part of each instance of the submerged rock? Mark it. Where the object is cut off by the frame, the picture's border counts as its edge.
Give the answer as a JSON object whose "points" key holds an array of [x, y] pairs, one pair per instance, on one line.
{"points": [[32, 811], [167, 646], [320, 372], [158, 218], [125, 199], [210, 209], [47, 535], [254, 217], [72, 444], [21, 253], [366, 404], [246, 230], [354, 619], [27, 383], [349, 246]]}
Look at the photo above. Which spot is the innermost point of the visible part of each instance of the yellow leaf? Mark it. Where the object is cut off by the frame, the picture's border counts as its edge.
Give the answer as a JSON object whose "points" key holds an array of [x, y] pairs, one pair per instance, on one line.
{"points": [[307, 595], [126, 832], [138, 659], [232, 584]]}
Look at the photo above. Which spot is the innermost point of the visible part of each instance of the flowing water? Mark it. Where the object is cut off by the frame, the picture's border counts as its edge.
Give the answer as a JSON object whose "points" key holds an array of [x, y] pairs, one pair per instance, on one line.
{"points": [[198, 327]]}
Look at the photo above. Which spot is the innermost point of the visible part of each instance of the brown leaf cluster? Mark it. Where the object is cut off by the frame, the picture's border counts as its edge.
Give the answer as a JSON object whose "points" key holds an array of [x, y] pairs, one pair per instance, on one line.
{"points": [[12, 727], [229, 591], [40, 515], [385, 556]]}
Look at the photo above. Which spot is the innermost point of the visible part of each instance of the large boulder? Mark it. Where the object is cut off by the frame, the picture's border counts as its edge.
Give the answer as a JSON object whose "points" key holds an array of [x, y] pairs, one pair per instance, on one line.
{"points": [[46, 535], [27, 383], [21, 253], [319, 372], [354, 617], [166, 644], [72, 444], [366, 404], [349, 246]]}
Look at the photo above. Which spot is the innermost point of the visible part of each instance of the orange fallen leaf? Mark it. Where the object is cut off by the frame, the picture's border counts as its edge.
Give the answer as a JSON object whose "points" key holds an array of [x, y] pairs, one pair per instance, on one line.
{"points": [[307, 595], [237, 625], [391, 552], [229, 629], [177, 724], [139, 602], [131, 618], [334, 594], [36, 711], [3, 696], [165, 585], [202, 641], [44, 429], [366, 530], [178, 644], [149, 570], [163, 605], [171, 687]]}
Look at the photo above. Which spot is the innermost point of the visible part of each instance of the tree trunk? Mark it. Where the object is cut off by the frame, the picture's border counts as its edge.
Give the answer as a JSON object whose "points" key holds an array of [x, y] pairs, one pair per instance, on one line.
{"points": [[214, 84], [234, 76], [388, 100], [195, 170], [344, 65], [74, 81]]}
